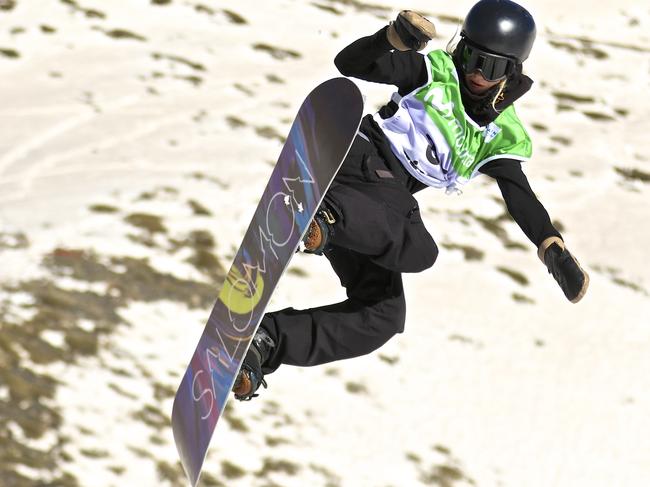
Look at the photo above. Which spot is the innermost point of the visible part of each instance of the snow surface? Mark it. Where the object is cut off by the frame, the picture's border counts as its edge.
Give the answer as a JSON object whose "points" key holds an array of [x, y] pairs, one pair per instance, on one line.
{"points": [[154, 107]]}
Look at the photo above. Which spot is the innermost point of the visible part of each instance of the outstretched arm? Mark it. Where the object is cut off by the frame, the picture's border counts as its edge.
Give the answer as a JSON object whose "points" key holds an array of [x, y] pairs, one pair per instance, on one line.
{"points": [[372, 58], [522, 204], [532, 217]]}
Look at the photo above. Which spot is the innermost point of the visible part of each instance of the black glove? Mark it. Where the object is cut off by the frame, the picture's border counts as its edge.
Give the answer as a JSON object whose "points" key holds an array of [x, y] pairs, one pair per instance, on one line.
{"points": [[565, 268], [410, 31]]}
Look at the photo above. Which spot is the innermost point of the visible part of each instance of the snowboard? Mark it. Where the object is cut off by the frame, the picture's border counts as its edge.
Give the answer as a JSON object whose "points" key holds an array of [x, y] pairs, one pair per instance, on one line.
{"points": [[319, 139]]}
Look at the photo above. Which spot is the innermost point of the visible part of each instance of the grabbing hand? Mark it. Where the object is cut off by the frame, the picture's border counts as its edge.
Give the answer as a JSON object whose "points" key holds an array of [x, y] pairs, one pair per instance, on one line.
{"points": [[565, 268], [410, 31]]}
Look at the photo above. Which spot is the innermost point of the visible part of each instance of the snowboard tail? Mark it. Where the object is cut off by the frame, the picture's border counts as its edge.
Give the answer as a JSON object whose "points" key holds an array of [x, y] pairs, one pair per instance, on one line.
{"points": [[319, 140]]}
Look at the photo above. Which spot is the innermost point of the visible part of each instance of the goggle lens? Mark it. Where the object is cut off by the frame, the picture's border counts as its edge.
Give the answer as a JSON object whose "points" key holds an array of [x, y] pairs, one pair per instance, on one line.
{"points": [[492, 66]]}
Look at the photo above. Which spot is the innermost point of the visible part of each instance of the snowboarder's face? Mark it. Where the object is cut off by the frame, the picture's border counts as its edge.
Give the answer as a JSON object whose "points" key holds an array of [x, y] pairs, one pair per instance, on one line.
{"points": [[478, 84]]}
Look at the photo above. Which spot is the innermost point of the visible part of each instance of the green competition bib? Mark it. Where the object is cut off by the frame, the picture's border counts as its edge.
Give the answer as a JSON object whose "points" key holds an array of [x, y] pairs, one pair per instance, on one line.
{"points": [[435, 139]]}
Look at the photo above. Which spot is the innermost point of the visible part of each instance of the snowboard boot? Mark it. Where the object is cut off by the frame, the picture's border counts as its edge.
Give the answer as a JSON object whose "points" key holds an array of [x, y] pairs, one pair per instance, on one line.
{"points": [[319, 232], [250, 376]]}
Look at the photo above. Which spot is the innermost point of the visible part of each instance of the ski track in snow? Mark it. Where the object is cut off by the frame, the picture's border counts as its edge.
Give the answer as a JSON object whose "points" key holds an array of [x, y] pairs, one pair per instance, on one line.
{"points": [[22, 151], [42, 168]]}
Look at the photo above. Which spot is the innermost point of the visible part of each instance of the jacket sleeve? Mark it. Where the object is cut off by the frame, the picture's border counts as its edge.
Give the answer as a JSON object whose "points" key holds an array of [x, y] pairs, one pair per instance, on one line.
{"points": [[522, 204], [371, 59]]}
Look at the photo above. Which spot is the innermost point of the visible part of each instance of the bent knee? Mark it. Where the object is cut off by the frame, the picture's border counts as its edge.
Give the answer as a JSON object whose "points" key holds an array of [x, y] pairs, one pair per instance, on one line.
{"points": [[399, 315], [432, 255], [391, 316]]}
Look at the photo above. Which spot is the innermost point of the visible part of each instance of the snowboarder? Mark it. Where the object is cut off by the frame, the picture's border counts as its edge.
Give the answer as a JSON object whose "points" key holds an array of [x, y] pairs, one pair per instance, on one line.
{"points": [[451, 119]]}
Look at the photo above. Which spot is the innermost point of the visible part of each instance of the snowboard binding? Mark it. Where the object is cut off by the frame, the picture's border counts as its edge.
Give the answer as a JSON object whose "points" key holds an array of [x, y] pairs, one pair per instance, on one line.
{"points": [[250, 376], [319, 232]]}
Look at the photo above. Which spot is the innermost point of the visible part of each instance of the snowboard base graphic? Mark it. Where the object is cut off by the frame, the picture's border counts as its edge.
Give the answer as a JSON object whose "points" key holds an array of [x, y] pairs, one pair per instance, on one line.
{"points": [[318, 141]]}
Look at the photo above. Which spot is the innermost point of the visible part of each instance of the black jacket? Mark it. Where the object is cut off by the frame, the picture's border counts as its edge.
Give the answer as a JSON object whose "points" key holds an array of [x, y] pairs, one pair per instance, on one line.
{"points": [[371, 58]]}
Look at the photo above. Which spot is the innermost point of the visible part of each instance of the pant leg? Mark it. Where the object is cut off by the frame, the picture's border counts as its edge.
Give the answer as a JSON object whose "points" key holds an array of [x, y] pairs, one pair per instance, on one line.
{"points": [[374, 312]]}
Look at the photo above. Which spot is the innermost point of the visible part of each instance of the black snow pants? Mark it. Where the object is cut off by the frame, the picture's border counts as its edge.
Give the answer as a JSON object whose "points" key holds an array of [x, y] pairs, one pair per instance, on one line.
{"points": [[378, 235]]}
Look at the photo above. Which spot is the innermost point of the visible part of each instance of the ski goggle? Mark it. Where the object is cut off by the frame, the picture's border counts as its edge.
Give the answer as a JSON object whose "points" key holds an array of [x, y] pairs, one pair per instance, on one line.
{"points": [[493, 67]]}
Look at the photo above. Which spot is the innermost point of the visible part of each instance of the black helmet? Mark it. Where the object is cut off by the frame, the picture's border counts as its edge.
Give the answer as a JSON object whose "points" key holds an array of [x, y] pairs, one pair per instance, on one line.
{"points": [[500, 27]]}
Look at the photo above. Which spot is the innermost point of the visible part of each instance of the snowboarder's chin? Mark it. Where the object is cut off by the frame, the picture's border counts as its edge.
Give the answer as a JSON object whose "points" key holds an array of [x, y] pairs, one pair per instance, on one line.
{"points": [[477, 84]]}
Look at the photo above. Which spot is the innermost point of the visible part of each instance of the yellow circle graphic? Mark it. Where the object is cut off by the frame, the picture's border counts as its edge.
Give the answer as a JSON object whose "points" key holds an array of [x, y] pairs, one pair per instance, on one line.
{"points": [[240, 294]]}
